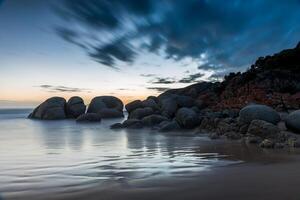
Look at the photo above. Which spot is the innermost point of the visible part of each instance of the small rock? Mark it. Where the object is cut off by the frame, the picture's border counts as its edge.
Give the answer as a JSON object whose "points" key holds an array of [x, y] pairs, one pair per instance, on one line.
{"points": [[213, 136], [253, 139], [116, 126], [233, 135], [263, 129], [266, 143], [278, 145]]}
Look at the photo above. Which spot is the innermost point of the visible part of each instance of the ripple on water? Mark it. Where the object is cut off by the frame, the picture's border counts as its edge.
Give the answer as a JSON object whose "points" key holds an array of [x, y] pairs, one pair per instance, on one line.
{"points": [[60, 156]]}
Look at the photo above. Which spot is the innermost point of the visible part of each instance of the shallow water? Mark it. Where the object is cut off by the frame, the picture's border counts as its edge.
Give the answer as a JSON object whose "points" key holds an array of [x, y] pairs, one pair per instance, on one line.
{"points": [[64, 157]]}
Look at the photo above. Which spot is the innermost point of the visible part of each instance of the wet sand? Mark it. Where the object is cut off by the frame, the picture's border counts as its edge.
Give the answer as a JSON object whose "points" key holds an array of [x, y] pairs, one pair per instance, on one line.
{"points": [[270, 174], [245, 181]]}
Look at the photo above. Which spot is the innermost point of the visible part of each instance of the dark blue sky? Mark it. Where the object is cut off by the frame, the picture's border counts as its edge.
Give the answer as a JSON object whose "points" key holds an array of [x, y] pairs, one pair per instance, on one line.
{"points": [[117, 46]]}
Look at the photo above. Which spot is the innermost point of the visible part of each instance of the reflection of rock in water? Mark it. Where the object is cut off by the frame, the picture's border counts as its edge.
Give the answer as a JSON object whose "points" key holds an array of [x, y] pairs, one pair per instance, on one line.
{"points": [[60, 135]]}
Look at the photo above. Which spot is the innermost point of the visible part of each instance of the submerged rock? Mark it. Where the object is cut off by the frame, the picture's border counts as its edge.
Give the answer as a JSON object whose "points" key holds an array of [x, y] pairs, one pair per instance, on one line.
{"points": [[187, 118], [259, 112], [51, 109], [101, 102], [75, 107], [292, 121], [89, 117]]}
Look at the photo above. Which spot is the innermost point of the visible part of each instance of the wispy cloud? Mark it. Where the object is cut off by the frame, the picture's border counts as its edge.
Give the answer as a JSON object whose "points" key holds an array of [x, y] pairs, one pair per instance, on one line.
{"points": [[148, 75], [159, 89], [163, 81], [52, 88], [191, 78], [231, 34]]}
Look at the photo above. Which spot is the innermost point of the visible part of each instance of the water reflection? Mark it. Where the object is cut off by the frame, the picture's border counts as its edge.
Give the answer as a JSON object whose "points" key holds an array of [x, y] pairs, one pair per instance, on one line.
{"points": [[60, 156]]}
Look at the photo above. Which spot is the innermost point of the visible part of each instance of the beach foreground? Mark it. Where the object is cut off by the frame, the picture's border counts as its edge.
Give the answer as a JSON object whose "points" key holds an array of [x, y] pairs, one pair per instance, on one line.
{"points": [[278, 180]]}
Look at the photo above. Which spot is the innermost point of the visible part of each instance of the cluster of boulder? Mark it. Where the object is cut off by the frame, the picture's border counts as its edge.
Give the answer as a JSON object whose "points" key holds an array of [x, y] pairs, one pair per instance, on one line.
{"points": [[56, 108], [255, 123], [167, 112]]}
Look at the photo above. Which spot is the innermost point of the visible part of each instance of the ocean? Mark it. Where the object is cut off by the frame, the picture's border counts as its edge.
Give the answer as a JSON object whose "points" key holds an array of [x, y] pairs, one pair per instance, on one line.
{"points": [[57, 157]]}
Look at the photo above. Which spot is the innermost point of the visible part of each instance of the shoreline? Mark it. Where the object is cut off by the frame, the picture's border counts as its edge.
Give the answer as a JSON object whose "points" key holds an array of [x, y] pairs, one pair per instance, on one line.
{"points": [[239, 181]]}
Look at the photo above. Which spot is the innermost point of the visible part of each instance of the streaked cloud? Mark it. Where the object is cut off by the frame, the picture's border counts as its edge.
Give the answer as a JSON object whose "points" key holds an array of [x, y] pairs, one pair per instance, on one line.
{"points": [[52, 88]]}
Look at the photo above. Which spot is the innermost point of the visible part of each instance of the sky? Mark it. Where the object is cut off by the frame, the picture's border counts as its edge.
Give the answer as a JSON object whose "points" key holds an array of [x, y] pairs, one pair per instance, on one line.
{"points": [[132, 48]]}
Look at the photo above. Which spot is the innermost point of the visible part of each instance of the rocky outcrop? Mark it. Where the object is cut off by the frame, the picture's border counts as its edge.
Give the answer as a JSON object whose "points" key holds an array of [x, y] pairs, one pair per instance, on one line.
{"points": [[51, 109], [75, 107], [89, 117], [293, 121], [259, 112], [263, 129], [102, 102]]}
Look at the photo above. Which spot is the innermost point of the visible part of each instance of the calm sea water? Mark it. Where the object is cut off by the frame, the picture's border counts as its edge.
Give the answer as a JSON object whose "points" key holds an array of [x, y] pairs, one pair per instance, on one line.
{"points": [[61, 156]]}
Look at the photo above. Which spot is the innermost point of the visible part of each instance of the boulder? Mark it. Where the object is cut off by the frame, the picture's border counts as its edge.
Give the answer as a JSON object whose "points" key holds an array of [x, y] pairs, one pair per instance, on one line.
{"points": [[292, 121], [110, 113], [263, 129], [259, 112], [133, 105], [75, 107], [150, 103], [187, 118], [168, 107], [154, 119], [154, 98], [140, 113], [184, 101], [267, 144], [51, 109], [166, 126], [89, 117], [132, 123], [101, 102]]}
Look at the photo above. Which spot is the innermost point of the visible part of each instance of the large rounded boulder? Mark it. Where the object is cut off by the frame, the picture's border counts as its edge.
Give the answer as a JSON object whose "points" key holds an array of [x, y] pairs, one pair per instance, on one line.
{"points": [[259, 112], [153, 120], [168, 107], [75, 107], [187, 118], [102, 102], [140, 113], [89, 117], [131, 106], [51, 109], [110, 113], [292, 121]]}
